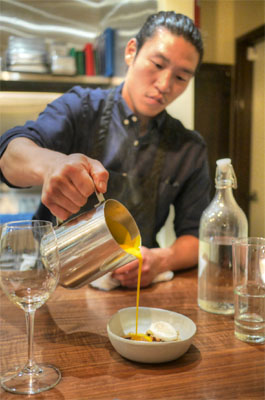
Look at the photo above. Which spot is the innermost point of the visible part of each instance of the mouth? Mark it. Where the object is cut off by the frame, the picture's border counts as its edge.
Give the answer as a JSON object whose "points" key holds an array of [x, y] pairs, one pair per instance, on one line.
{"points": [[157, 100]]}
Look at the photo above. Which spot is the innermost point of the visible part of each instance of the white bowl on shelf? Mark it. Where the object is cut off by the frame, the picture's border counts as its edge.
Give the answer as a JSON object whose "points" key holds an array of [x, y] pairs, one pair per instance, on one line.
{"points": [[123, 322]]}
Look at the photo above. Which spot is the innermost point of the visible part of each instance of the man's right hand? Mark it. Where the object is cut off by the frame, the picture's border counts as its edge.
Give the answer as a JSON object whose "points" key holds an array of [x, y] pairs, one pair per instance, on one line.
{"points": [[70, 181], [67, 180]]}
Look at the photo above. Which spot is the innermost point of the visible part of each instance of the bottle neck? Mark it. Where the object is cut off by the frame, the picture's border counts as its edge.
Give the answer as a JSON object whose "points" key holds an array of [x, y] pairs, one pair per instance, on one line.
{"points": [[224, 193], [225, 177]]}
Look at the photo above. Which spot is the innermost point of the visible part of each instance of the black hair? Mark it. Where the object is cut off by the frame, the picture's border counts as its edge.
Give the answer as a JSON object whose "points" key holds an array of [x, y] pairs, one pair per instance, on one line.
{"points": [[177, 24]]}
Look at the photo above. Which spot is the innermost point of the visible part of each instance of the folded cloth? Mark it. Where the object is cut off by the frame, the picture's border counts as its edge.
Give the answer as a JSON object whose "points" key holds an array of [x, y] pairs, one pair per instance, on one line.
{"points": [[106, 282], [28, 262]]}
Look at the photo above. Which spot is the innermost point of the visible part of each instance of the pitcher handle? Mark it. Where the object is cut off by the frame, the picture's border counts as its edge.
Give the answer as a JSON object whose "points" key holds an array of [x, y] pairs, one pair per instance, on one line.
{"points": [[100, 198]]}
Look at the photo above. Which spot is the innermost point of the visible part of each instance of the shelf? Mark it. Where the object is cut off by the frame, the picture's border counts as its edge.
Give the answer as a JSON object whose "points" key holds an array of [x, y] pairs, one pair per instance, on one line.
{"points": [[17, 81]]}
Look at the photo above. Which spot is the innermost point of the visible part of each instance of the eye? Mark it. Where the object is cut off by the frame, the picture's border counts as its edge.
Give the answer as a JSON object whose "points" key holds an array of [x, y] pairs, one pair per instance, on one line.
{"points": [[157, 65], [180, 78]]}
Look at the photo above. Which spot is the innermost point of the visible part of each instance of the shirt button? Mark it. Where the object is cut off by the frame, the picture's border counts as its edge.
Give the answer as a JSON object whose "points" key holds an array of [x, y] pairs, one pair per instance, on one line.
{"points": [[135, 143], [134, 118], [126, 122]]}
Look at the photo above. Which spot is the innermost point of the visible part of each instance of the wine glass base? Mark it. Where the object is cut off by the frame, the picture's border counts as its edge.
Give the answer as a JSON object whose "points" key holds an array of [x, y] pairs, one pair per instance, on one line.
{"points": [[43, 378]]}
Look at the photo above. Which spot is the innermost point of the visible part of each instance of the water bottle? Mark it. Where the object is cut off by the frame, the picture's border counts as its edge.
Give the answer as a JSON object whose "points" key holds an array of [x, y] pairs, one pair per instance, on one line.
{"points": [[221, 222]]}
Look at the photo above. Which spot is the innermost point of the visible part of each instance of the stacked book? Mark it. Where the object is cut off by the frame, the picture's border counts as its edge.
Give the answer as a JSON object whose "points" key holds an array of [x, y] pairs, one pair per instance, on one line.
{"points": [[97, 58], [31, 55]]}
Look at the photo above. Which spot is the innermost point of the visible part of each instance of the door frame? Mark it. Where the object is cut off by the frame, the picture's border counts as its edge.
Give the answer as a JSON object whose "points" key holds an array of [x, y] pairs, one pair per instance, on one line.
{"points": [[241, 114]]}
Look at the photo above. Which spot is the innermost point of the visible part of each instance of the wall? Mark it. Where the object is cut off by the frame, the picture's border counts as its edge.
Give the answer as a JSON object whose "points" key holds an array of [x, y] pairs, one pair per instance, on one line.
{"points": [[222, 21], [257, 171], [182, 108], [215, 15], [249, 14]]}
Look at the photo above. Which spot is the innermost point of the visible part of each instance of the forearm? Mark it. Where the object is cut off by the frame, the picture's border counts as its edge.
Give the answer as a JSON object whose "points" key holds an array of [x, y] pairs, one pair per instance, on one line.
{"points": [[67, 180], [24, 163], [182, 254]]}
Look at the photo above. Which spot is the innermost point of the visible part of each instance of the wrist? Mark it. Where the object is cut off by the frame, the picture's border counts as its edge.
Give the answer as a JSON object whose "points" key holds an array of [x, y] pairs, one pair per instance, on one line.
{"points": [[165, 258]]}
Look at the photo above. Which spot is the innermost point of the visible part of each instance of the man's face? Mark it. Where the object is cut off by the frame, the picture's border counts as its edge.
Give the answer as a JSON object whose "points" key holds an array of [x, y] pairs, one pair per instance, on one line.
{"points": [[159, 73]]}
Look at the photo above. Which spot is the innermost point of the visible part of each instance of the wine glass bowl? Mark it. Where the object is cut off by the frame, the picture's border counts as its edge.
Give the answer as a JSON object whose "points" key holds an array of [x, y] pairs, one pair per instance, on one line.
{"points": [[28, 276]]}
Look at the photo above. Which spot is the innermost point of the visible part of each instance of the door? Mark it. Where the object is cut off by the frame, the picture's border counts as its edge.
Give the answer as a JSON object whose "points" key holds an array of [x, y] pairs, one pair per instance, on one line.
{"points": [[241, 139], [212, 110]]}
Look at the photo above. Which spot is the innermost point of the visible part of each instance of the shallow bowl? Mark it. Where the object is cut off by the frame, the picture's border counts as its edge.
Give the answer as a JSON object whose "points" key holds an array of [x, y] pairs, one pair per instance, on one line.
{"points": [[123, 322]]}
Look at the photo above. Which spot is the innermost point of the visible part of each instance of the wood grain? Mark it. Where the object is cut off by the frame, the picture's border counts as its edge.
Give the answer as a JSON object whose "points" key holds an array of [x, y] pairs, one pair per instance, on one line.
{"points": [[70, 332]]}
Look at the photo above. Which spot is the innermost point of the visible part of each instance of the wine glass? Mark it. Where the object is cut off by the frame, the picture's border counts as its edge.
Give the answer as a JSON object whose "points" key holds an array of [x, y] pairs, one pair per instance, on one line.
{"points": [[28, 276]]}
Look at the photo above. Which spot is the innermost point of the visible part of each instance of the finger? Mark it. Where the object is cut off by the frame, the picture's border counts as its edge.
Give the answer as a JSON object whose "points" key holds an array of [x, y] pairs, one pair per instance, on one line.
{"points": [[125, 275], [99, 174], [71, 192], [131, 266], [59, 212], [129, 283], [82, 181], [56, 197]]}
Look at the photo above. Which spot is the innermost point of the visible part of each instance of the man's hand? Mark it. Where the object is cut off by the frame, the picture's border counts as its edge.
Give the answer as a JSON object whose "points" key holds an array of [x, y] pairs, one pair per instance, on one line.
{"points": [[69, 181], [128, 274], [182, 254]]}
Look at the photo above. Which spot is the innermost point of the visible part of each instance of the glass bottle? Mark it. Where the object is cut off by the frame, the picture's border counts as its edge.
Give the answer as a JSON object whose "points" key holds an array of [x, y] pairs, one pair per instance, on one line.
{"points": [[221, 222]]}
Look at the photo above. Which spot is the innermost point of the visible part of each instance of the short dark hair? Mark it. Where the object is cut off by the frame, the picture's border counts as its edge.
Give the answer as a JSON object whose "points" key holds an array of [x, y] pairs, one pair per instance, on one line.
{"points": [[177, 24]]}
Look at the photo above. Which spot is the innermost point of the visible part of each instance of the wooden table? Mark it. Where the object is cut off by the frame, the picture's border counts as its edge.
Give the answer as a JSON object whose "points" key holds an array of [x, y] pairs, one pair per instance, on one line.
{"points": [[70, 332]]}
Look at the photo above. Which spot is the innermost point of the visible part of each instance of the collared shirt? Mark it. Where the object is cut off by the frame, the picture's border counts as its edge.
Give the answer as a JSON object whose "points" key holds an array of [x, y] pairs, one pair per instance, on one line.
{"points": [[70, 125]]}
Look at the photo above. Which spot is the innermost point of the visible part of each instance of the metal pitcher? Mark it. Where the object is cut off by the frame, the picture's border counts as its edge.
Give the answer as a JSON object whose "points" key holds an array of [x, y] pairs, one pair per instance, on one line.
{"points": [[89, 247]]}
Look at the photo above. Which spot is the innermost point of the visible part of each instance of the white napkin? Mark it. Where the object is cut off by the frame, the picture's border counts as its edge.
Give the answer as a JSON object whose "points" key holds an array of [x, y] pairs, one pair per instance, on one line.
{"points": [[28, 262], [106, 282]]}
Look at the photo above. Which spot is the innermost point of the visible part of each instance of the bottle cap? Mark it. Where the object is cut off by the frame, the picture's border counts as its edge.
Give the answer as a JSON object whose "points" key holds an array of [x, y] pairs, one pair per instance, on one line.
{"points": [[223, 163], [225, 174]]}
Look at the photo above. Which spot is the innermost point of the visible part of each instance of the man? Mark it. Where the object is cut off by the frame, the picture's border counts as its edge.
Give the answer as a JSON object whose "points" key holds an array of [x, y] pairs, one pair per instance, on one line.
{"points": [[124, 144]]}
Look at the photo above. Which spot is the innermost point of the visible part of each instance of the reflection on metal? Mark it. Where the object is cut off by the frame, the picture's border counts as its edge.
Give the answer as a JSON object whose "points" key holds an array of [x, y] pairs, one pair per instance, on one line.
{"points": [[74, 21]]}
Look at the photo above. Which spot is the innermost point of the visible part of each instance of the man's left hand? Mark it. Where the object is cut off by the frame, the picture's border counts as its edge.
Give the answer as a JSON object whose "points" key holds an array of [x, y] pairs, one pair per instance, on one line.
{"points": [[128, 274]]}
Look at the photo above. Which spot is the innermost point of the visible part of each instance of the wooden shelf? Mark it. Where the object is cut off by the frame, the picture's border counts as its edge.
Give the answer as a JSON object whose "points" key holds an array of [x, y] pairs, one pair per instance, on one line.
{"points": [[17, 81]]}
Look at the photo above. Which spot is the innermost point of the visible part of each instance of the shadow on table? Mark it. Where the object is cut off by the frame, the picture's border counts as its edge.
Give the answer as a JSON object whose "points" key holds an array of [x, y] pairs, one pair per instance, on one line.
{"points": [[189, 360]]}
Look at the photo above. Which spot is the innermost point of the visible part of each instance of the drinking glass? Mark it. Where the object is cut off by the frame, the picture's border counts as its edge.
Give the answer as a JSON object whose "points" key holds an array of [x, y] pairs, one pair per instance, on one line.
{"points": [[28, 276], [249, 289]]}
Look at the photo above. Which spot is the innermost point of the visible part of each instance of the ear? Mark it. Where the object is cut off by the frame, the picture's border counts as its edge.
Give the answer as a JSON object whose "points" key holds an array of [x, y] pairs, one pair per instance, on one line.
{"points": [[130, 51]]}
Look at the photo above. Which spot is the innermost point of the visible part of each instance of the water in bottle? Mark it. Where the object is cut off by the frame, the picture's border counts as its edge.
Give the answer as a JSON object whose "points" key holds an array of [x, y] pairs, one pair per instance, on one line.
{"points": [[221, 222]]}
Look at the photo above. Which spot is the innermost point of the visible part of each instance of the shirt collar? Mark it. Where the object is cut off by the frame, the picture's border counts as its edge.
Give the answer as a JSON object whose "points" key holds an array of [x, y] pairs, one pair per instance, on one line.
{"points": [[125, 111]]}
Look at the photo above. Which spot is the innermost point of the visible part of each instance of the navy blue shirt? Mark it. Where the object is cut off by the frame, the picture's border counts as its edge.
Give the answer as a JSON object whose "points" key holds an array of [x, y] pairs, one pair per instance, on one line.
{"points": [[70, 125]]}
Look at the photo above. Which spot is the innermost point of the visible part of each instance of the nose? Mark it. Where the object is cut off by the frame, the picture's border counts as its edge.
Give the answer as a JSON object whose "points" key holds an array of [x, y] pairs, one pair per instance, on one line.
{"points": [[164, 81]]}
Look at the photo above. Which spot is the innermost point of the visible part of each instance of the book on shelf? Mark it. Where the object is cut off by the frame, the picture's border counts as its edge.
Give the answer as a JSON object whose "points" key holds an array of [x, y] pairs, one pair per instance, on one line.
{"points": [[89, 59], [97, 58], [104, 53], [80, 62], [109, 51]]}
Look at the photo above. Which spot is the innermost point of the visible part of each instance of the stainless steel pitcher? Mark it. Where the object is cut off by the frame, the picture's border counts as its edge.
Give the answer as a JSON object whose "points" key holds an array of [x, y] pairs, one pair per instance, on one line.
{"points": [[89, 247]]}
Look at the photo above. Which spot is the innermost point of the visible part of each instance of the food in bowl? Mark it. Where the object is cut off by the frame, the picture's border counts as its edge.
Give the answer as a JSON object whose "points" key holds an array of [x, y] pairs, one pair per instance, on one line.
{"points": [[159, 331], [123, 322]]}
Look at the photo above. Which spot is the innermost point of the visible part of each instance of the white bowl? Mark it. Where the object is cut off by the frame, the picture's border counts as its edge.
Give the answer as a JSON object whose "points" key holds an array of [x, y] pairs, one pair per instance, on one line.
{"points": [[123, 322]]}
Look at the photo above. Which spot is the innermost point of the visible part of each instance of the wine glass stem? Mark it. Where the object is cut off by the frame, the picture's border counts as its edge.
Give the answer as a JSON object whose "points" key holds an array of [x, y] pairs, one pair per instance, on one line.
{"points": [[30, 315]]}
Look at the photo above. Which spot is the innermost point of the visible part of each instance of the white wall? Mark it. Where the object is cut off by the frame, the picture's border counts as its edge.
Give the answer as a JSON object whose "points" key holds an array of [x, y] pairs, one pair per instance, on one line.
{"points": [[222, 21], [182, 109]]}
